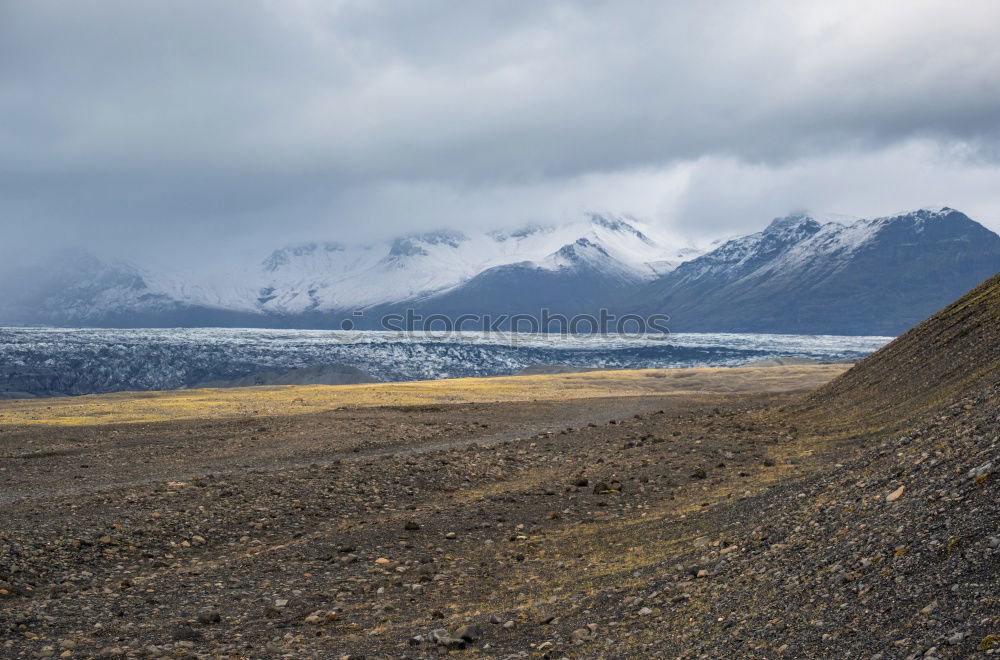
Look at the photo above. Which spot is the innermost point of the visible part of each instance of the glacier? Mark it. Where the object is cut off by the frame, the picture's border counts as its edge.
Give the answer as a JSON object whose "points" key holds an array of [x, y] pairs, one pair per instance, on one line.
{"points": [[73, 361]]}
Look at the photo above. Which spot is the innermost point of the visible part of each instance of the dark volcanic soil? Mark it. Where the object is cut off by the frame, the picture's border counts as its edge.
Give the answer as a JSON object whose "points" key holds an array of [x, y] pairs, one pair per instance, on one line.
{"points": [[118, 539], [710, 527]]}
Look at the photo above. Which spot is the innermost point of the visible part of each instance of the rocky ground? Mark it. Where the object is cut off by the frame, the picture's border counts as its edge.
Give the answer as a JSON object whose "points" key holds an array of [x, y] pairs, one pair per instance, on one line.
{"points": [[708, 525], [698, 527]]}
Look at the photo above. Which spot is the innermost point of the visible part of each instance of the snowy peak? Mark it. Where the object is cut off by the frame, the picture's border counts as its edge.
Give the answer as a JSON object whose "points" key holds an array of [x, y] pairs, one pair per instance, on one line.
{"points": [[284, 256], [329, 276], [880, 275], [579, 254], [528, 231], [800, 243], [618, 226], [797, 223], [418, 244]]}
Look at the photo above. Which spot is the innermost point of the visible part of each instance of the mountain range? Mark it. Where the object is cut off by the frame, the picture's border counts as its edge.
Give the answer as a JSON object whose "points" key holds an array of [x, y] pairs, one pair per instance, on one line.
{"points": [[798, 275]]}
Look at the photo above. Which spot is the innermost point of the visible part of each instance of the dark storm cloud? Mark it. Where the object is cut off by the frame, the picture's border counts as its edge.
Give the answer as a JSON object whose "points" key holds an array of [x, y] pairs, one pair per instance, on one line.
{"points": [[137, 124]]}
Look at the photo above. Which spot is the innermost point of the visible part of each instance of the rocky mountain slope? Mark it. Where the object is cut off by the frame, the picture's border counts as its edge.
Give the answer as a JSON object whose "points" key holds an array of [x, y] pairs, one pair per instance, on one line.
{"points": [[878, 276], [893, 546]]}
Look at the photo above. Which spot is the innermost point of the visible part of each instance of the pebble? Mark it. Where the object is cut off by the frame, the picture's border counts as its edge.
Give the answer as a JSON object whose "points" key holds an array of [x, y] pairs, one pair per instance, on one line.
{"points": [[209, 616], [469, 632], [895, 495]]}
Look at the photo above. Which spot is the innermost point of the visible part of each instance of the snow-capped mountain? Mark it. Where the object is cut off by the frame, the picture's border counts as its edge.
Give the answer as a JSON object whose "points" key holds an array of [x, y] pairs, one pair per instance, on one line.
{"points": [[315, 284], [878, 276], [799, 275]]}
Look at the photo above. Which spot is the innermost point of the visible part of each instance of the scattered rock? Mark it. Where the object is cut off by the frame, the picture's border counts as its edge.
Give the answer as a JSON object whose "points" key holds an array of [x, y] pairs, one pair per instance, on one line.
{"points": [[896, 494], [470, 633], [209, 616]]}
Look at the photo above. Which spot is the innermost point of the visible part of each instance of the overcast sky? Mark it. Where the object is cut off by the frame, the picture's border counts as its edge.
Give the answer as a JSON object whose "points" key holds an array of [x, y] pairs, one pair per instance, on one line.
{"points": [[192, 126]]}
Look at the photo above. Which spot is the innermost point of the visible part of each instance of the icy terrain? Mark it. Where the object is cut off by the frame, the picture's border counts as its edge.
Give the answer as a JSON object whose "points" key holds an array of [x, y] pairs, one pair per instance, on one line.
{"points": [[54, 361]]}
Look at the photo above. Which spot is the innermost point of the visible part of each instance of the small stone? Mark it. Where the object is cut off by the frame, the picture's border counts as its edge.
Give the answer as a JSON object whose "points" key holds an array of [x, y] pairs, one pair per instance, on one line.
{"points": [[580, 635], [508, 625], [209, 616], [411, 526], [545, 646], [444, 640], [469, 632], [451, 535], [980, 473], [381, 561], [895, 495], [645, 611], [699, 473], [184, 632], [956, 639]]}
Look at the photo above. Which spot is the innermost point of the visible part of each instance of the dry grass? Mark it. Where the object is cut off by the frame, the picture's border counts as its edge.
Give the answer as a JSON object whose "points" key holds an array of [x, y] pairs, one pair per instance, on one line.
{"points": [[132, 407]]}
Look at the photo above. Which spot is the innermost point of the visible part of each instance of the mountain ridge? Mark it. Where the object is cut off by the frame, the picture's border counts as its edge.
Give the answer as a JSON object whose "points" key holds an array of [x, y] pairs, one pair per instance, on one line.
{"points": [[799, 275], [878, 276]]}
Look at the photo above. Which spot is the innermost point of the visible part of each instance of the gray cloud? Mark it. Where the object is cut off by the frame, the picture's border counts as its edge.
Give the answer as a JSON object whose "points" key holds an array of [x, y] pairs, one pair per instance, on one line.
{"points": [[140, 126]]}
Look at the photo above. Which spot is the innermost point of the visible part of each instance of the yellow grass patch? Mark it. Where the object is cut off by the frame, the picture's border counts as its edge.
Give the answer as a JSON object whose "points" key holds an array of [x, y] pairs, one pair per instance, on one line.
{"points": [[131, 407]]}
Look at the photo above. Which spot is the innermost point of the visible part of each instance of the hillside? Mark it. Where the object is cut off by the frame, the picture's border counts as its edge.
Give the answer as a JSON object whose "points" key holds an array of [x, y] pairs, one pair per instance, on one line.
{"points": [[950, 355]]}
